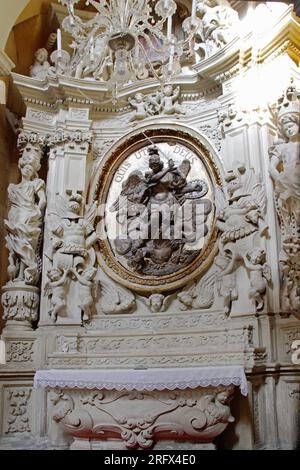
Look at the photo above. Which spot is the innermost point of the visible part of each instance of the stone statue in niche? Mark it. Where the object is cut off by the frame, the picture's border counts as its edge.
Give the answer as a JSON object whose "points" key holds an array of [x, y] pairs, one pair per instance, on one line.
{"points": [[40, 68], [25, 218], [159, 195], [285, 173], [285, 163], [72, 255], [27, 199], [240, 218]]}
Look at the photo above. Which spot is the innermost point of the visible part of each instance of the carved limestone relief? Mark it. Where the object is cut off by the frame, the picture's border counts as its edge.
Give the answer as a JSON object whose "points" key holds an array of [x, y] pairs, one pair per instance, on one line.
{"points": [[141, 419], [72, 256], [24, 224], [17, 419], [285, 173], [240, 219], [159, 219], [216, 25], [163, 102]]}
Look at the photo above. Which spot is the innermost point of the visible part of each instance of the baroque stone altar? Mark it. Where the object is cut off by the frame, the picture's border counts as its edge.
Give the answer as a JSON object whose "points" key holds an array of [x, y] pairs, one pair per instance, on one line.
{"points": [[165, 237], [140, 408]]}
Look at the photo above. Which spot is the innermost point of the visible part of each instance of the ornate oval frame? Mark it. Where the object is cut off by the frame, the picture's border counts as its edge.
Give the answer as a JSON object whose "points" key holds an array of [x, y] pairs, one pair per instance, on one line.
{"points": [[105, 174]]}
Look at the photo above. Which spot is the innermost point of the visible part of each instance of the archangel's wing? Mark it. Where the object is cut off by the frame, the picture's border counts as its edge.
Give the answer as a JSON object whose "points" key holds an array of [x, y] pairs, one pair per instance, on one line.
{"points": [[132, 185], [57, 213], [116, 299], [254, 187], [220, 199], [259, 196], [185, 168], [204, 291], [167, 301], [47, 289], [91, 213]]}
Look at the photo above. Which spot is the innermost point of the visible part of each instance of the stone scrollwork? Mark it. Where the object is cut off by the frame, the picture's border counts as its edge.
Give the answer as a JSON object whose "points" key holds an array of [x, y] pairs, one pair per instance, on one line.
{"points": [[285, 173], [24, 230], [17, 420], [20, 351], [141, 419]]}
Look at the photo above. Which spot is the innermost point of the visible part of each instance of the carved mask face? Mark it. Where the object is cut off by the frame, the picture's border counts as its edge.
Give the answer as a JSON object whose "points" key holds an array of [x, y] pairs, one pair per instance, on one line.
{"points": [[222, 397], [157, 302]]}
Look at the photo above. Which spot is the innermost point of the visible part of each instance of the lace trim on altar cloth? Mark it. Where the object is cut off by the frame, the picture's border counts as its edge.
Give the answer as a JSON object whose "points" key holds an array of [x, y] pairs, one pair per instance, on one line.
{"points": [[143, 380]]}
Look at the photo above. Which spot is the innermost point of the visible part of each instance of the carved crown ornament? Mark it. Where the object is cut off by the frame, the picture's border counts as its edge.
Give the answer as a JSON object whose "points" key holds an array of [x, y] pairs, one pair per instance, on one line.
{"points": [[158, 226]]}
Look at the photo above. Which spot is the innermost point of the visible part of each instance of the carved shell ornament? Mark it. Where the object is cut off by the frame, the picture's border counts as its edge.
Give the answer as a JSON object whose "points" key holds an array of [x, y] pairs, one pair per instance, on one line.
{"points": [[158, 229]]}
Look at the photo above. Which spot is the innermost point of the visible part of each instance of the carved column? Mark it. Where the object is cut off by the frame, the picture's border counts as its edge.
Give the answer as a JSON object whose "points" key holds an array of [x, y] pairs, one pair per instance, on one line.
{"points": [[24, 225]]}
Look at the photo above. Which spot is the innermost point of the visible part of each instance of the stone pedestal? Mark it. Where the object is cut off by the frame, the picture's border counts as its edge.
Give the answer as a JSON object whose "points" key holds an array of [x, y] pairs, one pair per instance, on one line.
{"points": [[20, 303]]}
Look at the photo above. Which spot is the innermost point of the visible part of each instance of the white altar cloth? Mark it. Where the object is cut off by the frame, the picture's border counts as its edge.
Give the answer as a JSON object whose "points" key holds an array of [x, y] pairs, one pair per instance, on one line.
{"points": [[143, 379]]}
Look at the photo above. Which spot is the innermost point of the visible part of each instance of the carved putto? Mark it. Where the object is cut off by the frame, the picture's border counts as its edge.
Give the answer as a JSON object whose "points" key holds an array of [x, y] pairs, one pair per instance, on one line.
{"points": [[41, 66], [285, 173], [164, 102], [151, 205]]}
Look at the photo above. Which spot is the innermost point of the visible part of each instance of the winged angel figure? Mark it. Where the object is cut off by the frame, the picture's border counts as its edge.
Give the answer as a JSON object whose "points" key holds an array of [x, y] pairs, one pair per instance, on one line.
{"points": [[162, 194], [240, 218], [72, 255]]}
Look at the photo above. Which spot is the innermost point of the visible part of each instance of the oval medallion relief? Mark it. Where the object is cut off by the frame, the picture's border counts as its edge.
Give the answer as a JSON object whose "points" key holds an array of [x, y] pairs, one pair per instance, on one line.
{"points": [[158, 229]]}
